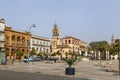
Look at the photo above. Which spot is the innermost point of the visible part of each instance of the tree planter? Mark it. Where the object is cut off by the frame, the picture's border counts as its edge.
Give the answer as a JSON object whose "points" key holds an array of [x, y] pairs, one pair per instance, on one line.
{"points": [[70, 71], [70, 61]]}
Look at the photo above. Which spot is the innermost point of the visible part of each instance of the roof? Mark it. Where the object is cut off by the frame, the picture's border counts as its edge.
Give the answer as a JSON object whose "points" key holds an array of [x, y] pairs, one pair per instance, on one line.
{"points": [[40, 37], [67, 37]]}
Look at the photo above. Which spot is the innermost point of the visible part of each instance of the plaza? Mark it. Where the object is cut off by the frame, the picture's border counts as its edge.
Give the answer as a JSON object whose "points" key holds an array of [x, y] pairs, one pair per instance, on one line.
{"points": [[85, 70]]}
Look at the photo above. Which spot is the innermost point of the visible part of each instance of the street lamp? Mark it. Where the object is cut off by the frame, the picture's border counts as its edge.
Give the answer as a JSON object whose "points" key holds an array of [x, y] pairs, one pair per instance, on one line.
{"points": [[33, 25], [28, 44]]}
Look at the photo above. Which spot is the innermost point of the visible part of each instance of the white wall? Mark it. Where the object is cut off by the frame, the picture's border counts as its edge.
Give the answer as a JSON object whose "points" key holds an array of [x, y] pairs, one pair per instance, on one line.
{"points": [[40, 44]]}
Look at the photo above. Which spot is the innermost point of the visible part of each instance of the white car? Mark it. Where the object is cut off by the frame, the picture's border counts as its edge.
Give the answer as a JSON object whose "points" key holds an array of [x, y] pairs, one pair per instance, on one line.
{"points": [[27, 59]]}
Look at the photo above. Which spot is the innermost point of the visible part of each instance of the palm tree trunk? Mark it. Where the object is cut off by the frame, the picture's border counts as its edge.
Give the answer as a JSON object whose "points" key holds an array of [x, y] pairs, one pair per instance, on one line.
{"points": [[69, 66]]}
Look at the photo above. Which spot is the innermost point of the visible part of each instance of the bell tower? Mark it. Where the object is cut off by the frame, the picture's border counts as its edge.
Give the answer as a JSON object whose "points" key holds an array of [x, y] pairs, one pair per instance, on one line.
{"points": [[56, 32], [56, 39], [112, 39]]}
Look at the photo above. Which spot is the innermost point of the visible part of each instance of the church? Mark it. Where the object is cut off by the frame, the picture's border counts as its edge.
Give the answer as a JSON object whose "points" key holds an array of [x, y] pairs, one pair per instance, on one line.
{"points": [[67, 44]]}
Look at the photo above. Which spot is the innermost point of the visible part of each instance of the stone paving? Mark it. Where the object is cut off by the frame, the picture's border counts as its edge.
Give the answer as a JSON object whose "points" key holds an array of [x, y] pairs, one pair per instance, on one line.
{"points": [[56, 71]]}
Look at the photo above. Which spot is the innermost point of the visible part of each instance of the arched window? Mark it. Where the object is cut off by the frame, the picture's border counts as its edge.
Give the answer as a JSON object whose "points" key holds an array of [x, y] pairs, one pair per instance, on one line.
{"points": [[18, 38], [23, 39], [65, 41], [69, 41], [13, 38]]}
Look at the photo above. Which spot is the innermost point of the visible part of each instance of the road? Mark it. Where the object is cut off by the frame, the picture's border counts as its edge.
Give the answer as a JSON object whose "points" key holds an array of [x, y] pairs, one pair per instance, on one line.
{"points": [[54, 71]]}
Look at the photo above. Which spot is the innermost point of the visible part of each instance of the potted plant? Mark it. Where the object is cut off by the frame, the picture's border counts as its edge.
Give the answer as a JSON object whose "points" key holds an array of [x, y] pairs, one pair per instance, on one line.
{"points": [[70, 61]]}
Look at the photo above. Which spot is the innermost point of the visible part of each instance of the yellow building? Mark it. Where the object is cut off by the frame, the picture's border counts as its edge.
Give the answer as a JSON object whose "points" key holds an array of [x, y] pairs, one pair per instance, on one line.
{"points": [[68, 44], [14, 40], [56, 39]]}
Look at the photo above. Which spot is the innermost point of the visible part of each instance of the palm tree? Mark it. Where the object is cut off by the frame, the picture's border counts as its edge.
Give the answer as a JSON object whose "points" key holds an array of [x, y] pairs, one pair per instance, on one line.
{"points": [[113, 50], [70, 61], [101, 46], [117, 48], [93, 46]]}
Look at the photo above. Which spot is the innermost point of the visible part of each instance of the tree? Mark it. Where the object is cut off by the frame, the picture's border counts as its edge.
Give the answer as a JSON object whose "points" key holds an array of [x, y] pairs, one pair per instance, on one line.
{"points": [[93, 46], [32, 52], [13, 54], [70, 61], [53, 54], [101, 46], [117, 48], [58, 53], [113, 50], [20, 54]]}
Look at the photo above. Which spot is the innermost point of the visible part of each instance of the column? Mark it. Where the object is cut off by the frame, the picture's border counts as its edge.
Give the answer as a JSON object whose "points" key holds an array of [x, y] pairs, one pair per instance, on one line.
{"points": [[80, 52], [107, 55], [99, 56], [86, 53]]}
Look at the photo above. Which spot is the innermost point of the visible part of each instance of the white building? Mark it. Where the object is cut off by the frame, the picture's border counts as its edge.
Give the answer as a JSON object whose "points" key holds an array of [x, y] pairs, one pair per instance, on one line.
{"points": [[40, 44], [2, 33], [2, 42]]}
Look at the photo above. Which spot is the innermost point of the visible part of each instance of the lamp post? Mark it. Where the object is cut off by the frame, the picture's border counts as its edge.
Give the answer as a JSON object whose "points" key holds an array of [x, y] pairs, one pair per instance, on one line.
{"points": [[33, 25], [28, 44]]}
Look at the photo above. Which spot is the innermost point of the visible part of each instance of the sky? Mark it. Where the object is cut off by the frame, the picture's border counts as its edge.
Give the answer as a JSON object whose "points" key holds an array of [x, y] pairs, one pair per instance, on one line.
{"points": [[87, 20]]}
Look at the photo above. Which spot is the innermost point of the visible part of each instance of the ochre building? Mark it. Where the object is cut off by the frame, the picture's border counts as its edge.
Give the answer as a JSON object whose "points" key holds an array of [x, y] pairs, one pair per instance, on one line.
{"points": [[15, 40], [67, 44]]}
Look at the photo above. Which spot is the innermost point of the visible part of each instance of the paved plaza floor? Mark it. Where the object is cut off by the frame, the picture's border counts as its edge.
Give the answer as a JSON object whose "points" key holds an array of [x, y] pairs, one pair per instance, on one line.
{"points": [[54, 71]]}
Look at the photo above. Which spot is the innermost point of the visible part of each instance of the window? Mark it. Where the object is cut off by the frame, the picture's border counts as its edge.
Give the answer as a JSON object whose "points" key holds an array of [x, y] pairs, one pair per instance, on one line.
{"points": [[13, 38], [36, 41], [33, 41], [65, 41], [18, 38], [37, 48], [23, 40], [69, 41], [40, 42], [44, 43], [40, 50]]}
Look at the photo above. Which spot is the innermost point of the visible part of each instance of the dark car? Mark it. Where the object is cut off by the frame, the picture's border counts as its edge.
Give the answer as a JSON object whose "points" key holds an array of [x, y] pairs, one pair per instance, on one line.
{"points": [[36, 58]]}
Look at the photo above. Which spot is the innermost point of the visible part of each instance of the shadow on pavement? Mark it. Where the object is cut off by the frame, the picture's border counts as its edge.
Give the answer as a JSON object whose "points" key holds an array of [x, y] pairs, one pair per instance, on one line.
{"points": [[12, 75]]}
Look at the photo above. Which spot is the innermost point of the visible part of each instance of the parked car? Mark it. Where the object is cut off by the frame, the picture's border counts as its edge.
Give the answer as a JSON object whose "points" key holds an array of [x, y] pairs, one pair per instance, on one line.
{"points": [[37, 58], [27, 59]]}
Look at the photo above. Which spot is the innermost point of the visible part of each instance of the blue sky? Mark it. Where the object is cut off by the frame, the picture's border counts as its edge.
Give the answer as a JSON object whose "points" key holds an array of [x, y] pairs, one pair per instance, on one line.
{"points": [[88, 20]]}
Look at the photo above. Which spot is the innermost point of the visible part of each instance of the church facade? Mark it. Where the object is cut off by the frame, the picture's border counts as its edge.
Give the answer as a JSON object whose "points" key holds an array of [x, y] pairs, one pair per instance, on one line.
{"points": [[67, 44]]}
